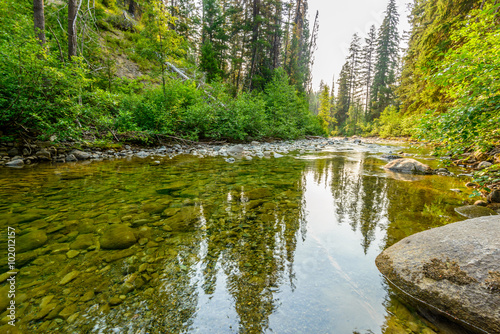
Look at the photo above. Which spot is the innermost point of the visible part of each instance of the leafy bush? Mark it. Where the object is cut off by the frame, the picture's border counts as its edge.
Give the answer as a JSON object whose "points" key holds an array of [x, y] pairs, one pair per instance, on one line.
{"points": [[469, 76]]}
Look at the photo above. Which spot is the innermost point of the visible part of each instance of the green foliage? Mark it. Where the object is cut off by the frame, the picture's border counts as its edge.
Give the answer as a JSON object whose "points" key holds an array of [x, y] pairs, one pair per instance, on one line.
{"points": [[37, 91], [325, 106], [42, 93], [287, 114], [468, 75], [393, 123]]}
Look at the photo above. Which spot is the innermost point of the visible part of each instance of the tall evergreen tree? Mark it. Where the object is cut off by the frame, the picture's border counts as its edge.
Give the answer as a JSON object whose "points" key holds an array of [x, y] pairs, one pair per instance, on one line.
{"points": [[368, 62], [342, 107], [213, 42], [354, 63], [387, 55]]}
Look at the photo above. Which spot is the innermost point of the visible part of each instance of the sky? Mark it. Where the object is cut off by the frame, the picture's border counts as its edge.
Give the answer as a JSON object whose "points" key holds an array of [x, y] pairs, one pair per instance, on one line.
{"points": [[338, 21]]}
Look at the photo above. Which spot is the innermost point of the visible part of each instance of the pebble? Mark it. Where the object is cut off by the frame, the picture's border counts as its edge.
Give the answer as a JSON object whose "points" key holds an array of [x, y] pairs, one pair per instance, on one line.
{"points": [[69, 277]]}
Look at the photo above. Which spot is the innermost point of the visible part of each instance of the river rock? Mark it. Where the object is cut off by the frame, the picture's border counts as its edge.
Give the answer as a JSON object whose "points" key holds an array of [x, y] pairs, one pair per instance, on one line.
{"points": [[13, 152], [69, 277], [4, 297], [15, 163], [235, 150], [409, 166], [184, 220], [30, 241], [43, 155], [474, 211], [484, 164], [83, 241], [70, 158], [258, 193], [81, 155], [117, 237], [494, 196], [454, 269]]}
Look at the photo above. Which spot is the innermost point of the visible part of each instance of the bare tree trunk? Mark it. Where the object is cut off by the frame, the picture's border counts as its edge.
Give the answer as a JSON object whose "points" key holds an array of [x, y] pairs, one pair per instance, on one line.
{"points": [[132, 8], [39, 18], [72, 11]]}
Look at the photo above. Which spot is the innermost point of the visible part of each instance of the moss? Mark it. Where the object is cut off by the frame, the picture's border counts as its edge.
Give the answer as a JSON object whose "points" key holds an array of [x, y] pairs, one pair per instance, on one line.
{"points": [[449, 270], [493, 281]]}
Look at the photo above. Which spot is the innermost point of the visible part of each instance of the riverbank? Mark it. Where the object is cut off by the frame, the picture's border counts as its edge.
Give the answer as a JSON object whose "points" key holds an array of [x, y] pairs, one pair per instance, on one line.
{"points": [[482, 168]]}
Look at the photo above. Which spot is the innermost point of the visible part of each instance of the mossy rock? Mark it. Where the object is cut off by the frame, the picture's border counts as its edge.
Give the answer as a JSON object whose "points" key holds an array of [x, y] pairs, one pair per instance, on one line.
{"points": [[30, 241], [117, 237], [474, 211], [258, 194], [184, 220]]}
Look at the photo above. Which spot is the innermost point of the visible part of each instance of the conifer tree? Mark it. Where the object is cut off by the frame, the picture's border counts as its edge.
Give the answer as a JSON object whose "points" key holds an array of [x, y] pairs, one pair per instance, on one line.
{"points": [[368, 62], [387, 55], [342, 107]]}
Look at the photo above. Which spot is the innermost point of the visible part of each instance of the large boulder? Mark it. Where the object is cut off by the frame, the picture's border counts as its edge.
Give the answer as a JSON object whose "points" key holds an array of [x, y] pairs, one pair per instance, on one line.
{"points": [[409, 166], [453, 270]]}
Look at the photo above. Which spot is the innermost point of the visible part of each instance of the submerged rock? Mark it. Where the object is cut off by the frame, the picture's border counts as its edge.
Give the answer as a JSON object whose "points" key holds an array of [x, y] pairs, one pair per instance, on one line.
{"points": [[184, 220], [474, 211], [409, 166], [454, 270], [30, 241], [117, 237], [258, 193]]}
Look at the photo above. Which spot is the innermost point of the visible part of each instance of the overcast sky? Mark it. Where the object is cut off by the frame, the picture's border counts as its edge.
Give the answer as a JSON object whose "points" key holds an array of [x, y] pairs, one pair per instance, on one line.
{"points": [[338, 21]]}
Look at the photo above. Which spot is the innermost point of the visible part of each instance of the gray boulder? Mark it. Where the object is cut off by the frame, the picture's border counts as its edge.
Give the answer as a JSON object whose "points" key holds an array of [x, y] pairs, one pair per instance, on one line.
{"points": [[454, 270], [409, 166], [15, 163], [81, 155]]}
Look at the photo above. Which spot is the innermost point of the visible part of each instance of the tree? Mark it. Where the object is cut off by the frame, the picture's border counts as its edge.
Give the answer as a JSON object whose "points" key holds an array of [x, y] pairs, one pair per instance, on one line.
{"points": [[162, 41], [39, 20], [73, 8], [354, 62], [387, 55], [325, 106], [368, 60], [342, 107]]}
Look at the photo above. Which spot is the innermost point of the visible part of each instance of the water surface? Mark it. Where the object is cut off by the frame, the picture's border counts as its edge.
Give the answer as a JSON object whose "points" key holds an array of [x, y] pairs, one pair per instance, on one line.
{"points": [[264, 246]]}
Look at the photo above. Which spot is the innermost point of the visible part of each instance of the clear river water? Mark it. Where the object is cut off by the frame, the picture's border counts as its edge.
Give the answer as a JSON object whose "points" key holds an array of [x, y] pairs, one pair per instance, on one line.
{"points": [[264, 246]]}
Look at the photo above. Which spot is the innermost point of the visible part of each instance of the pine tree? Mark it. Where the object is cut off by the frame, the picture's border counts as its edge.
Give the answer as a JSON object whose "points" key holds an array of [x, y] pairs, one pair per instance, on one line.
{"points": [[368, 61], [213, 44], [342, 107], [387, 56], [354, 63]]}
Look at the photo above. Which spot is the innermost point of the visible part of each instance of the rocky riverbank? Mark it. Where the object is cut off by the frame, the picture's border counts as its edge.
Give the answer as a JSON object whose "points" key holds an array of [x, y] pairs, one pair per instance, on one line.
{"points": [[28, 154]]}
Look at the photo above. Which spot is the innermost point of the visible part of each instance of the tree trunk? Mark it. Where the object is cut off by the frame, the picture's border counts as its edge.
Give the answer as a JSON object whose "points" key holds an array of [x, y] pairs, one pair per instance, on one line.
{"points": [[255, 37], [39, 18], [132, 8], [72, 12]]}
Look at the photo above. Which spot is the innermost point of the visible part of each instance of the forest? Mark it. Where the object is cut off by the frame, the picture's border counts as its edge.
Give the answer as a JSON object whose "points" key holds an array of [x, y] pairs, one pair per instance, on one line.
{"points": [[131, 70], [444, 87]]}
